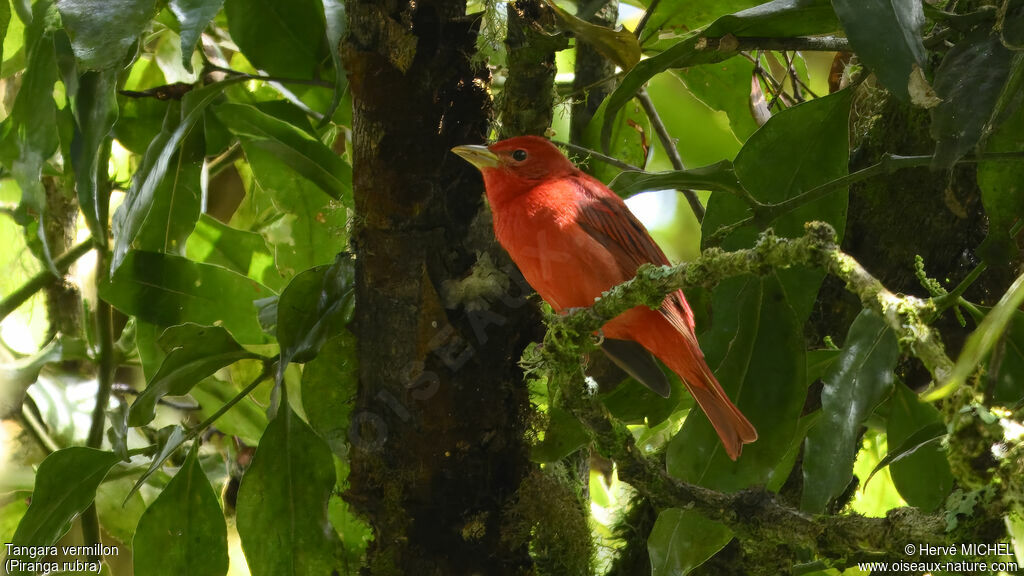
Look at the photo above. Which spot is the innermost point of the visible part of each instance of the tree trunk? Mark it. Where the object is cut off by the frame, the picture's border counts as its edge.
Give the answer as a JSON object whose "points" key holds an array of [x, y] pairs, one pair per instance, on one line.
{"points": [[438, 429]]}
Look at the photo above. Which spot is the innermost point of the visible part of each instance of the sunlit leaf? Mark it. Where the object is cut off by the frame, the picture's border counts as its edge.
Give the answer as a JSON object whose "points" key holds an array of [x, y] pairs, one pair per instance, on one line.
{"points": [[193, 15], [169, 290], [564, 435], [102, 30], [95, 115], [246, 419], [193, 353], [619, 46], [334, 15], [921, 471], [183, 530], [214, 242], [724, 86], [858, 381], [282, 502], [719, 176], [682, 540], [65, 486]]}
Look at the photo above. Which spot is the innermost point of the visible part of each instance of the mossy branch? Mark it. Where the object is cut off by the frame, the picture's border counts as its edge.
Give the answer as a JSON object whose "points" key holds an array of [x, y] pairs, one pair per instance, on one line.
{"points": [[568, 336], [752, 514]]}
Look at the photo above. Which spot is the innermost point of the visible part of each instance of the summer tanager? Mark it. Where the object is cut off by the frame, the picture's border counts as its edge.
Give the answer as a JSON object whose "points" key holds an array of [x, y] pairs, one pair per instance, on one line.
{"points": [[572, 239]]}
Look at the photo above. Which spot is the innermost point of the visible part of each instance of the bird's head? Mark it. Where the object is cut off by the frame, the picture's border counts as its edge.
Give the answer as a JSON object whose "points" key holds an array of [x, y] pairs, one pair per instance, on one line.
{"points": [[516, 165]]}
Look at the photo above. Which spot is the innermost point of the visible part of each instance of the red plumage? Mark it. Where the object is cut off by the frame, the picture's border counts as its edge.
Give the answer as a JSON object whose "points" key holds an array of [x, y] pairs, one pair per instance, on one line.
{"points": [[573, 238]]}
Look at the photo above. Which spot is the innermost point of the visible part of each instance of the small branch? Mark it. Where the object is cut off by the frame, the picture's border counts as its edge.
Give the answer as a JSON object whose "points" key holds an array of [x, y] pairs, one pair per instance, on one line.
{"points": [[268, 369], [730, 43], [44, 277], [37, 429], [645, 18], [670, 149], [211, 67], [599, 156]]}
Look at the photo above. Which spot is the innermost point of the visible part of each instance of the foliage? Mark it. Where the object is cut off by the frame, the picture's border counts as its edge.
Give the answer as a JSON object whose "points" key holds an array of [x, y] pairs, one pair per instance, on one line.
{"points": [[204, 148]]}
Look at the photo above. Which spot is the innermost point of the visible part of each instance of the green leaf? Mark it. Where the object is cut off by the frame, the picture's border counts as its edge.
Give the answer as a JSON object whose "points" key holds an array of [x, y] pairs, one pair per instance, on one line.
{"points": [[307, 156], [778, 18], [619, 46], [329, 384], [921, 474], [169, 290], [214, 242], [681, 540], [719, 176], [247, 419], [929, 434], [858, 381], [95, 114], [334, 15], [981, 341], [630, 137], [887, 37], [969, 81], [634, 403], [282, 39], [1002, 191], [118, 515], [133, 213], [819, 362], [193, 353], [102, 31], [725, 86], [682, 16], [169, 439], [5, 21], [282, 502], [193, 15], [66, 483], [1011, 24], [773, 171], [183, 530], [564, 435], [316, 305]]}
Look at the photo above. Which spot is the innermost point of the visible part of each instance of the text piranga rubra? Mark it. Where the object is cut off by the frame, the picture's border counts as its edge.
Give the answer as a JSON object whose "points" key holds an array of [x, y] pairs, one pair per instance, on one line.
{"points": [[573, 238]]}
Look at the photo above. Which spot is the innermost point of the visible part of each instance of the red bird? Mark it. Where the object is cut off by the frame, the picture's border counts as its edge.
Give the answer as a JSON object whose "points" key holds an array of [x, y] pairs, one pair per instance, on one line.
{"points": [[573, 238]]}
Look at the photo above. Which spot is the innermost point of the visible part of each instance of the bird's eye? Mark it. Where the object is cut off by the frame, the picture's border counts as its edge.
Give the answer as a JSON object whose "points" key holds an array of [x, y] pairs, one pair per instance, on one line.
{"points": [[519, 155]]}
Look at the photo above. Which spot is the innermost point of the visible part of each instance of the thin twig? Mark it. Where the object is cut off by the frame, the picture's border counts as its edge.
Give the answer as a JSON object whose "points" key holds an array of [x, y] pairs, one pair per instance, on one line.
{"points": [[732, 43], [15, 299], [211, 67], [670, 149], [645, 18], [599, 156], [268, 368]]}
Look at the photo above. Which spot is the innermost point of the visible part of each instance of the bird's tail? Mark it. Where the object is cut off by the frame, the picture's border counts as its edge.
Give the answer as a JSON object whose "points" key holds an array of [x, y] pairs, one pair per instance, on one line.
{"points": [[732, 426]]}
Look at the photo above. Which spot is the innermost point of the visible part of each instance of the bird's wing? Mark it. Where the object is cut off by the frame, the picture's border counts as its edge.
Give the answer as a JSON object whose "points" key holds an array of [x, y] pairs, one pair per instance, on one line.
{"points": [[606, 218]]}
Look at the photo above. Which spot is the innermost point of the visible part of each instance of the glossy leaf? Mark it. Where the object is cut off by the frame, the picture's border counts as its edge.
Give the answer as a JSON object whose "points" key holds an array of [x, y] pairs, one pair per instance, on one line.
{"points": [[183, 530], [282, 502], [982, 340], [887, 37], [284, 40], [65, 486], [334, 15], [295, 148], [315, 306], [680, 541], [778, 18], [618, 46], [193, 353], [858, 381], [169, 290], [719, 176], [193, 15], [969, 81], [329, 384], [133, 213], [95, 115], [922, 476], [214, 242], [564, 435], [102, 31]]}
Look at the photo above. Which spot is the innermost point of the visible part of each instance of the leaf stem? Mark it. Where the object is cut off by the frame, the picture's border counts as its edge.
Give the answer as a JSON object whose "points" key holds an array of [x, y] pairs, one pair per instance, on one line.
{"points": [[670, 149], [211, 67], [15, 299], [599, 156], [268, 369]]}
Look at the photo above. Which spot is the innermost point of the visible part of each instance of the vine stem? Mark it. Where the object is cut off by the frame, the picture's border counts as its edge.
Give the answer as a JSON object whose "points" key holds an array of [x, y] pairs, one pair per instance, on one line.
{"points": [[268, 369]]}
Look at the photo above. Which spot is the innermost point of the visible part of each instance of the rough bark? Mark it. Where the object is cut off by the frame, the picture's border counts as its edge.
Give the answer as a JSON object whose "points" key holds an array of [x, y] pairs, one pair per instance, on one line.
{"points": [[63, 299], [525, 104], [593, 80], [438, 429]]}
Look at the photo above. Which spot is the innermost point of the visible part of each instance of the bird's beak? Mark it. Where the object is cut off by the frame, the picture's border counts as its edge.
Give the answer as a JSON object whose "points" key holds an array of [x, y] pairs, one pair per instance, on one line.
{"points": [[478, 156]]}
